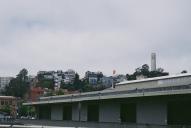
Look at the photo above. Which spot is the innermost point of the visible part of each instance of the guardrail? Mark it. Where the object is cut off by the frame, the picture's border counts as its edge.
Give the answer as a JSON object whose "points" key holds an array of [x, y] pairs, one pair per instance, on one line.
{"points": [[25, 126]]}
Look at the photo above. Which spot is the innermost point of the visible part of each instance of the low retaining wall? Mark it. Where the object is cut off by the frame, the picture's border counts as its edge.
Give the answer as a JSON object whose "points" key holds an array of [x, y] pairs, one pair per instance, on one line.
{"points": [[71, 124]]}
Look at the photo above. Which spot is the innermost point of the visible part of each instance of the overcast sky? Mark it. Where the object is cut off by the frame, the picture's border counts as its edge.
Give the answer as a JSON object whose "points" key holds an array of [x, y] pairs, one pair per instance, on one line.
{"points": [[95, 35]]}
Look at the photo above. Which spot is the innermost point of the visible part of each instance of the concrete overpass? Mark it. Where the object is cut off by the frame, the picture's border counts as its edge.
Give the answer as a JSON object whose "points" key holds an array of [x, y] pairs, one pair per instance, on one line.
{"points": [[161, 100]]}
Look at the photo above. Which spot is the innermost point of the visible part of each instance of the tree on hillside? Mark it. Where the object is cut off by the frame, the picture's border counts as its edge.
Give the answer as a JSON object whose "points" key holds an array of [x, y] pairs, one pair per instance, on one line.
{"points": [[76, 85], [77, 82], [184, 71], [46, 83], [157, 73], [131, 76], [144, 70], [99, 76], [23, 75], [80, 85], [68, 86], [18, 86]]}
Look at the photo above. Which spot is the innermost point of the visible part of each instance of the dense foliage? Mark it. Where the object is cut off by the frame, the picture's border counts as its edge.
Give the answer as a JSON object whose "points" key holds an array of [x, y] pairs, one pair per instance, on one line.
{"points": [[45, 83], [6, 109], [18, 86], [26, 111], [144, 70], [81, 85]]}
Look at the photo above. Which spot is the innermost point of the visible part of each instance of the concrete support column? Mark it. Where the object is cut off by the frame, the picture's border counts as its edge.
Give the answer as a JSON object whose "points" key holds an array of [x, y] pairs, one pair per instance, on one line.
{"points": [[152, 112], [75, 112], [83, 113], [79, 111], [109, 112], [56, 112], [37, 111]]}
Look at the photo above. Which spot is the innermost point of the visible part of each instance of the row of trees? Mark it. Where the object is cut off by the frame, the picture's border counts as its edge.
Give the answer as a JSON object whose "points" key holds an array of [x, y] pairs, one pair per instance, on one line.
{"points": [[144, 70]]}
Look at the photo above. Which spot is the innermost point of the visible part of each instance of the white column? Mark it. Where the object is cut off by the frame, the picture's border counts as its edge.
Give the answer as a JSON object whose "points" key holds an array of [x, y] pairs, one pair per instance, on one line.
{"points": [[152, 112], [109, 112], [56, 112]]}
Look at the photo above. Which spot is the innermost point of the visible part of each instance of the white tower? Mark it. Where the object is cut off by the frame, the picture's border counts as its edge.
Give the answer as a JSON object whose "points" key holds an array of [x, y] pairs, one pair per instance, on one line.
{"points": [[153, 61]]}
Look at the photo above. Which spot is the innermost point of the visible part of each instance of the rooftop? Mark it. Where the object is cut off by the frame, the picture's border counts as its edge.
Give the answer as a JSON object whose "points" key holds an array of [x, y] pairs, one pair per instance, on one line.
{"points": [[7, 97], [155, 78]]}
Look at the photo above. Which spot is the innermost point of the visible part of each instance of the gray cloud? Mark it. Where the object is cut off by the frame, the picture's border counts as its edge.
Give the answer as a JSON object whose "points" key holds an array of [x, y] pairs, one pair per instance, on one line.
{"points": [[94, 35]]}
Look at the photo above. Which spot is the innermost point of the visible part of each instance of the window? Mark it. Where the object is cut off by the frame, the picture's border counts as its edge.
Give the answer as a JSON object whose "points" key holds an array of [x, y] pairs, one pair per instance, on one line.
{"points": [[6, 102], [10, 102], [2, 102]]}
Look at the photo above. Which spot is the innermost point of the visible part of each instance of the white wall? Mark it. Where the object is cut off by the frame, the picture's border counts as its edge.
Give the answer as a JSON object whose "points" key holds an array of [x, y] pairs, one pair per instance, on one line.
{"points": [[109, 112], [152, 112], [84, 113], [56, 112], [75, 112], [157, 82]]}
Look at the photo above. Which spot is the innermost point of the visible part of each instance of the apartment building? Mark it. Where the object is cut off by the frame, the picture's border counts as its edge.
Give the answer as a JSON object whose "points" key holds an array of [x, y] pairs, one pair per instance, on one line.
{"points": [[58, 76], [4, 81], [9, 101]]}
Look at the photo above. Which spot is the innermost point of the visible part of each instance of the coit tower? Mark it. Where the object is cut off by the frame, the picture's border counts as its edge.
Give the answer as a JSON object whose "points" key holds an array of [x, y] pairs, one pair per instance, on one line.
{"points": [[153, 61]]}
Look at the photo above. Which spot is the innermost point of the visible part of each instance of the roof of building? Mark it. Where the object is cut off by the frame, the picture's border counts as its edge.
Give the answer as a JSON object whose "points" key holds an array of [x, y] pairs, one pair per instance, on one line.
{"points": [[7, 97], [154, 78]]}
